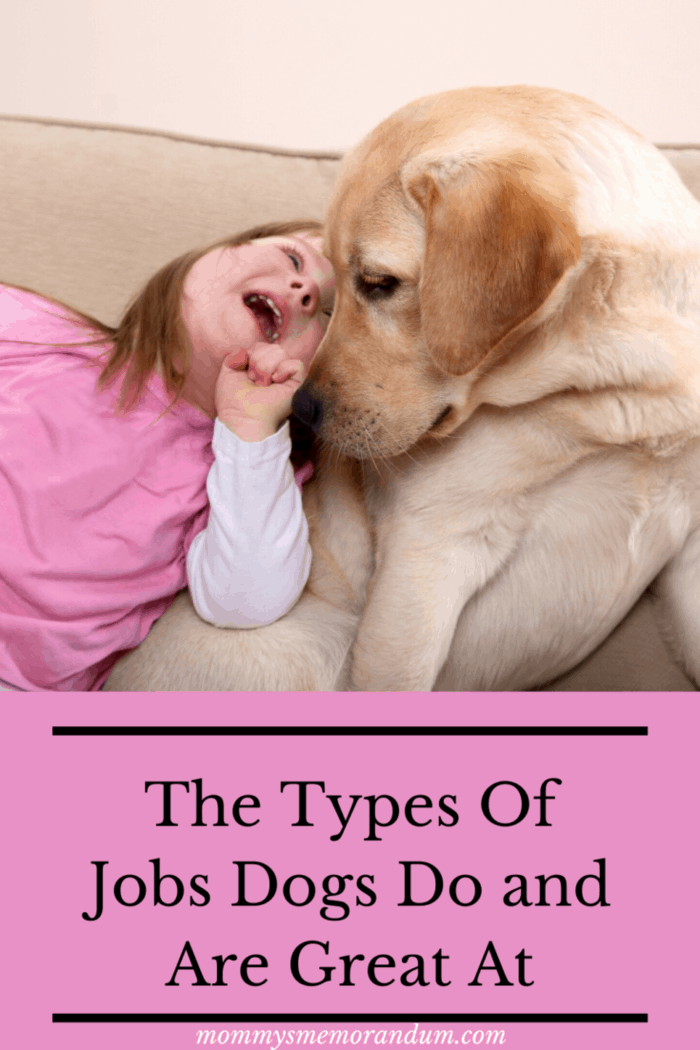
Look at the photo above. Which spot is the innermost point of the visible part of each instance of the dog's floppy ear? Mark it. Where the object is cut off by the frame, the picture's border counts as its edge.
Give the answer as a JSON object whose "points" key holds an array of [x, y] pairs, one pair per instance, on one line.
{"points": [[494, 252]]}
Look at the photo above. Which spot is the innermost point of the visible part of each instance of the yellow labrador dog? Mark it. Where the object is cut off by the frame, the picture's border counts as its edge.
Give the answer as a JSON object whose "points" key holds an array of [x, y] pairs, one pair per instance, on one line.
{"points": [[508, 401]]}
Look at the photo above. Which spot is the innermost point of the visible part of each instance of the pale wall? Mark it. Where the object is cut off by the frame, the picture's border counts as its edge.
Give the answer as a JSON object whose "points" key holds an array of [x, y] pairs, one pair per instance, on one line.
{"points": [[318, 74]]}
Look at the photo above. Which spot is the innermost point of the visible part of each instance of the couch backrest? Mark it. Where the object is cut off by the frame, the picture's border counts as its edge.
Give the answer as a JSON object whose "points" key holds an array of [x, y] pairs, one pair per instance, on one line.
{"points": [[88, 212]]}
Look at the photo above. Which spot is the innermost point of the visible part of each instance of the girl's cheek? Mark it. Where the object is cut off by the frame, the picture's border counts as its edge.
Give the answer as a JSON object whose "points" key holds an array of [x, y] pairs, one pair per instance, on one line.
{"points": [[311, 345], [304, 347]]}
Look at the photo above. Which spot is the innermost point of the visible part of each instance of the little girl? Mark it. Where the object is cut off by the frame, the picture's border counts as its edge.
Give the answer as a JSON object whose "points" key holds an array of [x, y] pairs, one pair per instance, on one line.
{"points": [[138, 460]]}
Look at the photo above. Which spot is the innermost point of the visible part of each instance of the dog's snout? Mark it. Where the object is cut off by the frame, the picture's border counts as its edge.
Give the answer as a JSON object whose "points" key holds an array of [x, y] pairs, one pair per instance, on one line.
{"points": [[308, 409]]}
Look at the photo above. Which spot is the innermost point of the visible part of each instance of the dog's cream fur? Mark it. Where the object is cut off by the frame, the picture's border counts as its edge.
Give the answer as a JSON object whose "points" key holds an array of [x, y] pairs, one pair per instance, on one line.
{"points": [[513, 370]]}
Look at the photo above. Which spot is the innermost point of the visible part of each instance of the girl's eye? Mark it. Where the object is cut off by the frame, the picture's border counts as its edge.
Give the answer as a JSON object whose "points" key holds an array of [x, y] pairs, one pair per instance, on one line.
{"points": [[296, 260]]}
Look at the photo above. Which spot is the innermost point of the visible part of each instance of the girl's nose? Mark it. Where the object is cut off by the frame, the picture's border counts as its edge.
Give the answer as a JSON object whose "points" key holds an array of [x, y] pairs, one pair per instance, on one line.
{"points": [[306, 293]]}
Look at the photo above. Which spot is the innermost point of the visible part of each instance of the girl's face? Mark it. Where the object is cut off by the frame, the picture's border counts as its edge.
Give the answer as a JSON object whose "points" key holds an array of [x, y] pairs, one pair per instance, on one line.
{"points": [[274, 290]]}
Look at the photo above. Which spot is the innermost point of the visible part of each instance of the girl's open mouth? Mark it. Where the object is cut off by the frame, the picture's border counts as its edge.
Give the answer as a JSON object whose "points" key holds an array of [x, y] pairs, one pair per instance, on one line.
{"points": [[266, 313]]}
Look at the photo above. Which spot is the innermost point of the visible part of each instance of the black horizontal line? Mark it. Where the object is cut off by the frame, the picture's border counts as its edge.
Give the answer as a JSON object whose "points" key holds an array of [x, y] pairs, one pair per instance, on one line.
{"points": [[297, 730], [201, 1018]]}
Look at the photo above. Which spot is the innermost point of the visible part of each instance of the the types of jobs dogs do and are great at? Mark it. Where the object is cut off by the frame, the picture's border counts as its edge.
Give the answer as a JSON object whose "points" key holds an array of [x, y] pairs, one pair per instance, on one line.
{"points": [[507, 410]]}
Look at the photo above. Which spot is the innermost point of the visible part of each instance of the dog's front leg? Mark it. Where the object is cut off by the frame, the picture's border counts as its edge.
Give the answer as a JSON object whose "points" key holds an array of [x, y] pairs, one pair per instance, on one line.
{"points": [[415, 598]]}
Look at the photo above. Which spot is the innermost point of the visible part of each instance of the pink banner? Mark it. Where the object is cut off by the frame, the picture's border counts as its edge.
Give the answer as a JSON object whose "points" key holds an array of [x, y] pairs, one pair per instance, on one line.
{"points": [[470, 869]]}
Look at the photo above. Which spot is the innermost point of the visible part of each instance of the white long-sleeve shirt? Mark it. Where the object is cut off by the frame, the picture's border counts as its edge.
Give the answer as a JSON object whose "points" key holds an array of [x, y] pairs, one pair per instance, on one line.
{"points": [[250, 564]]}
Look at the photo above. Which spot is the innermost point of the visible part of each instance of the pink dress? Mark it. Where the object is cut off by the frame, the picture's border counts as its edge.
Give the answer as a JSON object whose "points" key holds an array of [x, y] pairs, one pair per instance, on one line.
{"points": [[97, 510]]}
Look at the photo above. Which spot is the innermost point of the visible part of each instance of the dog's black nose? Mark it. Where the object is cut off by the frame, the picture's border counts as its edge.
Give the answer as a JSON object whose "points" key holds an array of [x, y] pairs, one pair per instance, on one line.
{"points": [[308, 409]]}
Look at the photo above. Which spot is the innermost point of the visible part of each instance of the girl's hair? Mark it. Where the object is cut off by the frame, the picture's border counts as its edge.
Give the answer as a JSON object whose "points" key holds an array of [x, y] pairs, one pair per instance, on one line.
{"points": [[152, 333]]}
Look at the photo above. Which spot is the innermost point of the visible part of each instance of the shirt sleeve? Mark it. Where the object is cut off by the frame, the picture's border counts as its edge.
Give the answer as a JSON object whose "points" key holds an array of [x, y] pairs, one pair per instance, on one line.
{"points": [[251, 563]]}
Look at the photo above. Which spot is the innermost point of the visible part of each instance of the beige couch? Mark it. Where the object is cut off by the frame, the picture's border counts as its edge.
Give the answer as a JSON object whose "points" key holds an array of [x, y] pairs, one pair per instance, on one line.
{"points": [[88, 211]]}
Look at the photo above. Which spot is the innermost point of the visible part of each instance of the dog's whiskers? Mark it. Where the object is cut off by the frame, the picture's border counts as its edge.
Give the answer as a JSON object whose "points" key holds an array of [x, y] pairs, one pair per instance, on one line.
{"points": [[408, 454], [369, 449]]}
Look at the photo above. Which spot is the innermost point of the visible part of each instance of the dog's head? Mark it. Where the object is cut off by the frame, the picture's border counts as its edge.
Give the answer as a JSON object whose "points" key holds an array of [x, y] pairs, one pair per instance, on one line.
{"points": [[449, 232]]}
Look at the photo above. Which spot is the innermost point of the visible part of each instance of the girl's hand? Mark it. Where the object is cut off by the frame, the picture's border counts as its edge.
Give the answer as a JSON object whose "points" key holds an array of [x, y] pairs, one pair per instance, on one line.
{"points": [[251, 410], [268, 363]]}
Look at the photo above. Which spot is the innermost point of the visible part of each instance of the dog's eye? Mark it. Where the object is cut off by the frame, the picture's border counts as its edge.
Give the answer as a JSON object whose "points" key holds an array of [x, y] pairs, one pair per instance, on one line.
{"points": [[379, 287]]}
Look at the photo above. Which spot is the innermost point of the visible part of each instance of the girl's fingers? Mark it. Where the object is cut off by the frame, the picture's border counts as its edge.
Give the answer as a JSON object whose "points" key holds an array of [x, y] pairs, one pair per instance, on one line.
{"points": [[267, 359], [238, 362], [289, 370], [263, 372], [258, 377], [283, 373]]}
